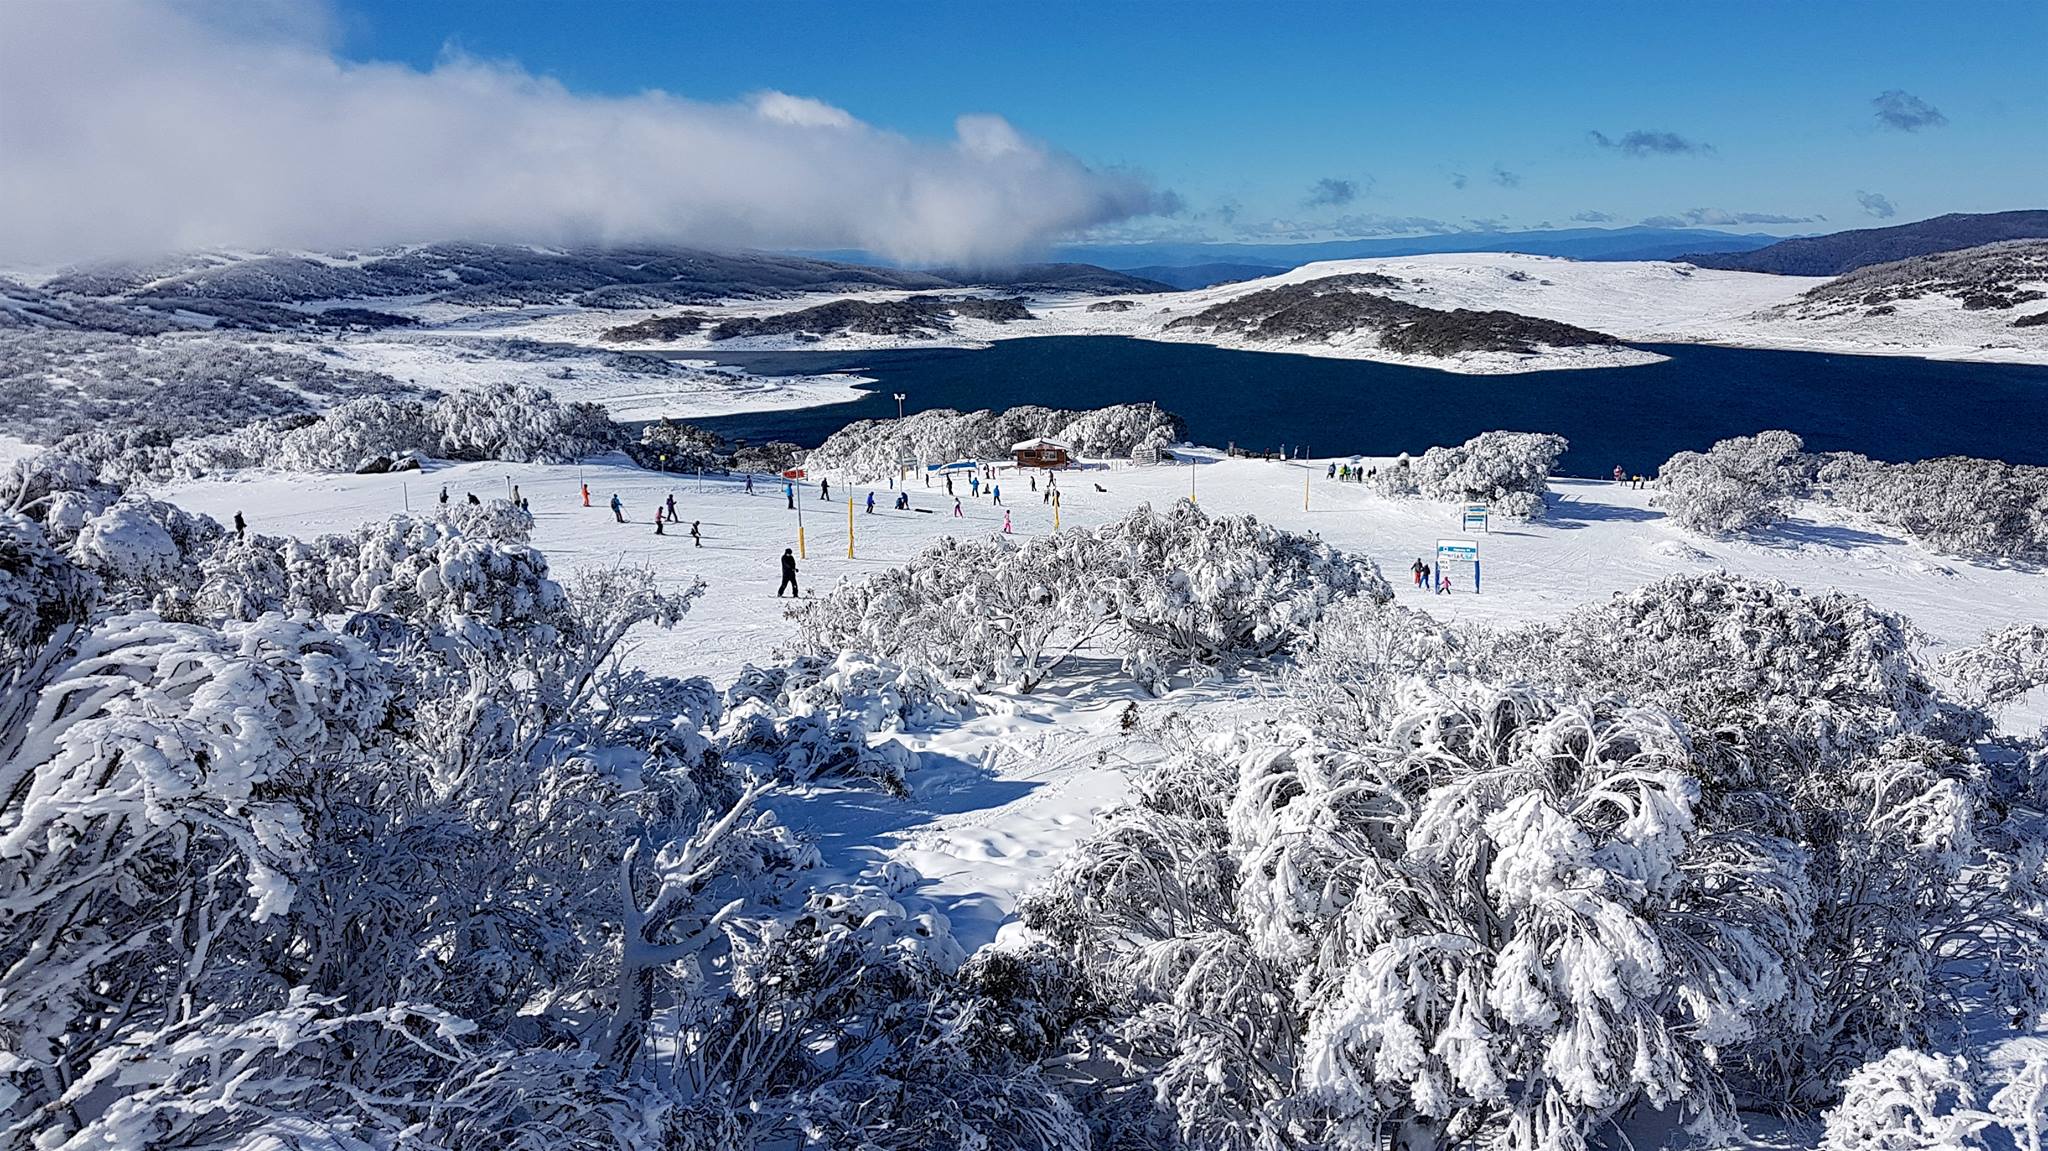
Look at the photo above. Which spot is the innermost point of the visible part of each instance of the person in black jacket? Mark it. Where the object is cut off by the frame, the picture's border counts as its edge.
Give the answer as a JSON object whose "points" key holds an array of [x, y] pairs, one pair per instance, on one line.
{"points": [[788, 575]]}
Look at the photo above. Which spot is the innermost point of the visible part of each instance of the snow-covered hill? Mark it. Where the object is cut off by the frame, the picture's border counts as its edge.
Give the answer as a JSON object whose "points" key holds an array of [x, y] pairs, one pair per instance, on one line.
{"points": [[1634, 302]]}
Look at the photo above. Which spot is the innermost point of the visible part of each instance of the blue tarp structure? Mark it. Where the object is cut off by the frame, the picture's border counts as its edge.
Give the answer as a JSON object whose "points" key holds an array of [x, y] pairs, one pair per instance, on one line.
{"points": [[955, 466]]}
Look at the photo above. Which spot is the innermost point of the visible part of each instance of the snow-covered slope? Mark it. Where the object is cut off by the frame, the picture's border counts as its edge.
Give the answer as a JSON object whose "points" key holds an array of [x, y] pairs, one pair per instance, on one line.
{"points": [[1001, 799], [1637, 302]]}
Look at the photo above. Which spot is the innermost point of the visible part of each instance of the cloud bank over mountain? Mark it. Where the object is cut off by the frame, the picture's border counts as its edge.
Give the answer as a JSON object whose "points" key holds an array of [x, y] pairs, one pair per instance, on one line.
{"points": [[132, 127]]}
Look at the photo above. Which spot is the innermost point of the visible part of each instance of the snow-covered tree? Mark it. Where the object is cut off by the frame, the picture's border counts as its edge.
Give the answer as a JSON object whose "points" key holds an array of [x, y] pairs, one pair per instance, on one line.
{"points": [[1508, 471], [2005, 666], [1983, 509], [1166, 593], [871, 449], [1738, 485]]}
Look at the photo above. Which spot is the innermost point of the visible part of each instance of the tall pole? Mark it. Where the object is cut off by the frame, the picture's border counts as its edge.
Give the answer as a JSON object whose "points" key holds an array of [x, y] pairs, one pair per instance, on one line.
{"points": [[1191, 482], [1304, 489], [899, 404], [849, 525], [800, 553]]}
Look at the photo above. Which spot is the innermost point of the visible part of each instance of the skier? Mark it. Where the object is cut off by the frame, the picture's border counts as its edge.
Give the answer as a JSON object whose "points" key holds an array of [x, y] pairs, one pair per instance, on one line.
{"points": [[789, 490], [1619, 475], [1100, 488], [672, 506], [871, 503], [1034, 483], [949, 484], [473, 501], [618, 509], [1443, 585], [824, 488], [788, 575], [750, 483], [241, 526], [515, 495], [696, 536], [586, 495], [1047, 497], [996, 490], [974, 486], [1333, 471], [444, 495], [657, 521], [1006, 521], [903, 501], [957, 513]]}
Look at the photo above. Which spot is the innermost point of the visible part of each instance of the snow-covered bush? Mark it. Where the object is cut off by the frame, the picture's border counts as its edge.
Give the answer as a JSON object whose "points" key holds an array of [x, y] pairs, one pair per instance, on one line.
{"points": [[1164, 593], [1750, 664], [1710, 846], [871, 449], [1501, 919], [817, 716], [1910, 1100], [1906, 1101], [512, 422], [1508, 471], [497, 520], [1738, 485], [2006, 665], [1982, 509]]}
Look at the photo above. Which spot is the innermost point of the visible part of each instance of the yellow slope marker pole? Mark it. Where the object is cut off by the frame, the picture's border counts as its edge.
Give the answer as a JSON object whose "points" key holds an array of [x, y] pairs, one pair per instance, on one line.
{"points": [[1191, 482], [849, 527], [800, 553]]}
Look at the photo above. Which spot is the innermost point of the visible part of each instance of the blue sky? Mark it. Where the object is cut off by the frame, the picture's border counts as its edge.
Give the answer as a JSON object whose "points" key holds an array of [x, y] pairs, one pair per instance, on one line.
{"points": [[1301, 120]]}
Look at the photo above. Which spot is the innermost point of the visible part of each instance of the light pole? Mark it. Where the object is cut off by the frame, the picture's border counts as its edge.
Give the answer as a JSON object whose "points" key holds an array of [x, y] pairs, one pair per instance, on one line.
{"points": [[899, 404]]}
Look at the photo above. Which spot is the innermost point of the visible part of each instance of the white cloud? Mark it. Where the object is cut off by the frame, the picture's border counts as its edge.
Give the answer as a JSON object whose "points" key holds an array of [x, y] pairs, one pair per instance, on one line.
{"points": [[802, 111], [138, 126]]}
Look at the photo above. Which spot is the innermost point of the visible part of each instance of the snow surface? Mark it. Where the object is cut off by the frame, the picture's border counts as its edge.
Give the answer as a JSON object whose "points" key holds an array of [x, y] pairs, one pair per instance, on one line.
{"points": [[1641, 301], [997, 801]]}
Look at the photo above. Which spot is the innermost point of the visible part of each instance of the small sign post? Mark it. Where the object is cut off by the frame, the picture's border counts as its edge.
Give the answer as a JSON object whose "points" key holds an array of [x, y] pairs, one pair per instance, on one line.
{"points": [[1459, 551], [1475, 518]]}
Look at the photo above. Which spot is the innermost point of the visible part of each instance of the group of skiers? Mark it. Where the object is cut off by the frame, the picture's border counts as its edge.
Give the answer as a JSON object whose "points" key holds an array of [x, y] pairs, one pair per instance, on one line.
{"points": [[1346, 473], [1622, 477], [1421, 572]]}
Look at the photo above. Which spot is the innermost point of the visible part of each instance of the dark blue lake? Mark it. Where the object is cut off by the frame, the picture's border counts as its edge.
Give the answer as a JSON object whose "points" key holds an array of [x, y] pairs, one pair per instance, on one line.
{"points": [[1890, 407]]}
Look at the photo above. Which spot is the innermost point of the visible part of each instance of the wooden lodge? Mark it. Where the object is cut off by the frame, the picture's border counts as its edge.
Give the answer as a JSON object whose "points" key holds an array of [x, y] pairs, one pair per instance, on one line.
{"points": [[1041, 453]]}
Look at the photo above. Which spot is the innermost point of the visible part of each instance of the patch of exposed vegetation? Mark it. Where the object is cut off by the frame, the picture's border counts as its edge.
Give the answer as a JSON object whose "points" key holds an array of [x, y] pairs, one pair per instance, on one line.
{"points": [[657, 329], [1335, 306], [1994, 277], [916, 317]]}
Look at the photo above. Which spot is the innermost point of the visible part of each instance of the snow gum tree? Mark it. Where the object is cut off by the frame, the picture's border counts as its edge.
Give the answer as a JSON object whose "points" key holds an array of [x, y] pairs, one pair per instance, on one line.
{"points": [[1738, 485], [1166, 593]]}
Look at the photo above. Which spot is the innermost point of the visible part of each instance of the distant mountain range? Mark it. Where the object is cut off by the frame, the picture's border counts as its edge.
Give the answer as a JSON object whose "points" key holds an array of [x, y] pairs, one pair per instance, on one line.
{"points": [[1632, 243], [1205, 275], [265, 290], [1840, 252]]}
